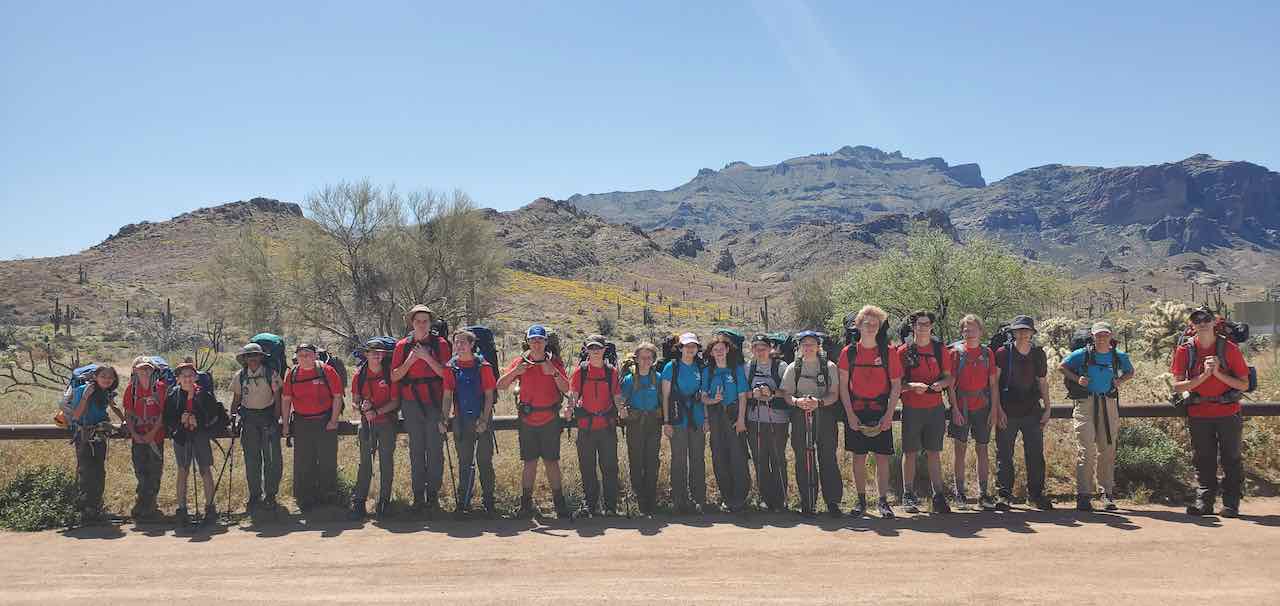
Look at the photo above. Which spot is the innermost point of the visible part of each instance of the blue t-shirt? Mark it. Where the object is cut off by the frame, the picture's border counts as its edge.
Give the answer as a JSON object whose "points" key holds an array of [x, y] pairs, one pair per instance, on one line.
{"points": [[1099, 371], [732, 380], [92, 414], [642, 393], [689, 384]]}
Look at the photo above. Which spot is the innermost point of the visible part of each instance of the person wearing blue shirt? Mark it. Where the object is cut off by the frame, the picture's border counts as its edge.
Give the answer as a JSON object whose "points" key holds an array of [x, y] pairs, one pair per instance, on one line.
{"points": [[685, 425], [724, 391], [640, 398], [84, 407], [1099, 370]]}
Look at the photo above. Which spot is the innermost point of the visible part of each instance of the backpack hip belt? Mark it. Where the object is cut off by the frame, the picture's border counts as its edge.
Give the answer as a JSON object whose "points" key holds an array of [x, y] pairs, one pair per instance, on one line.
{"points": [[876, 404], [1229, 397], [526, 408], [413, 383], [980, 393]]}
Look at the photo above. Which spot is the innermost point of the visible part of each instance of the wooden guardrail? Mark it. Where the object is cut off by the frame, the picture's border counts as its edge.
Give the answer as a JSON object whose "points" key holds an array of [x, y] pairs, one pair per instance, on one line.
{"points": [[508, 423]]}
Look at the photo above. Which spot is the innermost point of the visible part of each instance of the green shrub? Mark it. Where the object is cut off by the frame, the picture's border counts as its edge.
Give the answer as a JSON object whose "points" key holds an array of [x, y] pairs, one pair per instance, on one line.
{"points": [[38, 499], [1149, 459]]}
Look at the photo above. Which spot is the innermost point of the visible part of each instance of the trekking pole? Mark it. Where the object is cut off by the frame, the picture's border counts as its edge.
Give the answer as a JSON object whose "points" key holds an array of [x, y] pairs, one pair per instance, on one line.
{"points": [[810, 444], [452, 474]]}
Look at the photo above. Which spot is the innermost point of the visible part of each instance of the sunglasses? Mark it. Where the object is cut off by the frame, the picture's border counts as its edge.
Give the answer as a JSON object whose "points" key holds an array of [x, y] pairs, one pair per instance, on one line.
{"points": [[1202, 320]]}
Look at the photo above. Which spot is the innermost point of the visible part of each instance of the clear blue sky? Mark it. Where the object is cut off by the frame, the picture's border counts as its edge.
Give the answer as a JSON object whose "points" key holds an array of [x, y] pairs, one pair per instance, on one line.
{"points": [[114, 114]]}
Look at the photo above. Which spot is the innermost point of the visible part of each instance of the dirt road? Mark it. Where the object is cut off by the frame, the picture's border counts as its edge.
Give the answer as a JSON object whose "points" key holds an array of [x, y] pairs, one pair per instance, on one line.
{"points": [[1144, 555]]}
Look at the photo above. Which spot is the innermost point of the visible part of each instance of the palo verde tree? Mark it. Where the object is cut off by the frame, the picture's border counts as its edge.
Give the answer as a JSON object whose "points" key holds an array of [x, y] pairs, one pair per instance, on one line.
{"points": [[949, 278], [372, 253]]}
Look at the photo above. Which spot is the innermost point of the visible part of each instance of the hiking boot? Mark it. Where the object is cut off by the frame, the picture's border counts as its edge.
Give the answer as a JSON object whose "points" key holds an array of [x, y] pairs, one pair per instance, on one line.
{"points": [[1042, 503], [986, 502], [1201, 507], [910, 503], [562, 508], [383, 509], [833, 510], [251, 504], [527, 510], [1084, 503], [181, 517], [1109, 503], [210, 516], [136, 511], [962, 502], [92, 515], [1004, 501], [1229, 511], [939, 504], [886, 511], [357, 512], [859, 508]]}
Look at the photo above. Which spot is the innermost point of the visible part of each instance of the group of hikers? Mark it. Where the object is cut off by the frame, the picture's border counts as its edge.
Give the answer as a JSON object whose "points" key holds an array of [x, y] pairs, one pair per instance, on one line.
{"points": [[743, 396]]}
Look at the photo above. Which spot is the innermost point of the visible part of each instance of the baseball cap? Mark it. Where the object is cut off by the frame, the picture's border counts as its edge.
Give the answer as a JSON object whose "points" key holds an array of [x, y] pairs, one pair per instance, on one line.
{"points": [[1100, 327], [595, 341], [804, 334], [537, 331], [688, 338]]}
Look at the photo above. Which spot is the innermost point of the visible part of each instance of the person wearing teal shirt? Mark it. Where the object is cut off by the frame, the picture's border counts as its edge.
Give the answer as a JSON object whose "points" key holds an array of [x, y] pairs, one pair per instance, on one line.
{"points": [[641, 388], [1096, 418], [685, 425], [724, 391]]}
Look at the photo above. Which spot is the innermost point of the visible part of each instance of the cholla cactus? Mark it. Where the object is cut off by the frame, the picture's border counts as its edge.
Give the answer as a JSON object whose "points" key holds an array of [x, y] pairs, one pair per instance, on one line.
{"points": [[1160, 327]]}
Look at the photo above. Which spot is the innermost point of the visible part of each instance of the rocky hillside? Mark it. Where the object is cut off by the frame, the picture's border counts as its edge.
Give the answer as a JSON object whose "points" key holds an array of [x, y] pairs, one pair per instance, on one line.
{"points": [[142, 262], [849, 186], [1222, 215], [552, 238]]}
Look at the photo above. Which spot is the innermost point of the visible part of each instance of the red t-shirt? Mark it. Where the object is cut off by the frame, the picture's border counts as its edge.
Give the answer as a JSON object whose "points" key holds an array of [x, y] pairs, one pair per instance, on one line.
{"points": [[430, 392], [539, 389], [311, 396], [867, 379], [145, 407], [1212, 386], [488, 382], [974, 376], [376, 389], [595, 394], [926, 372]]}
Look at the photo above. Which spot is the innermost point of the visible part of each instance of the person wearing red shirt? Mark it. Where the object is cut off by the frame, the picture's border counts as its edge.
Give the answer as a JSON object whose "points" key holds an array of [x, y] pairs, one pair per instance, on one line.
{"points": [[870, 386], [975, 406], [417, 368], [470, 390], [313, 399], [373, 395], [1212, 368], [542, 391], [593, 400], [144, 415], [926, 374]]}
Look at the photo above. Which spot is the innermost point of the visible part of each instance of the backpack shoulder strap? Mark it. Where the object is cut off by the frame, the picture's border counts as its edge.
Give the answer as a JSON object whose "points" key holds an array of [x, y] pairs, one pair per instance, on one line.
{"points": [[775, 370], [796, 375], [937, 355]]}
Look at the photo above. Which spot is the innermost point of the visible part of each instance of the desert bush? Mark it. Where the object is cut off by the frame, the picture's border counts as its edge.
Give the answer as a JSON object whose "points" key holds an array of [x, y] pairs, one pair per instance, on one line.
{"points": [[1149, 459], [1159, 328], [39, 498], [605, 325], [935, 273], [811, 299]]}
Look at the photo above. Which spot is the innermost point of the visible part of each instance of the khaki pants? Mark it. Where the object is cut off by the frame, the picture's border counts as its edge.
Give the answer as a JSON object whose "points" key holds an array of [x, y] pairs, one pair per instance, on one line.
{"points": [[1097, 425]]}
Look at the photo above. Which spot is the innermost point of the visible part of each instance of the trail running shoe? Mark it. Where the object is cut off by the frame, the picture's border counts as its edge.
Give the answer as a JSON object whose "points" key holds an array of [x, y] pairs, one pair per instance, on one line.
{"points": [[859, 508], [910, 503], [986, 502], [886, 511], [940, 505], [1109, 503]]}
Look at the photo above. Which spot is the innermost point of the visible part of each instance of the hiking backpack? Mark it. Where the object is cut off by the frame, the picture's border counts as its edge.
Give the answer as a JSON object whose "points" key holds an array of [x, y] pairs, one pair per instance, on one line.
{"points": [[610, 354], [1082, 339], [852, 334], [485, 346], [273, 346], [775, 373], [1226, 330]]}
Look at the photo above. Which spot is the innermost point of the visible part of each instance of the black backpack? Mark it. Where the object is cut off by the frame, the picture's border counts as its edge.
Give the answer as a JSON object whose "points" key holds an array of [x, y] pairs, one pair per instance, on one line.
{"points": [[485, 346]]}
